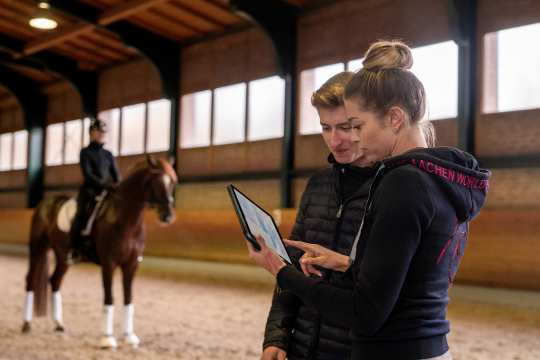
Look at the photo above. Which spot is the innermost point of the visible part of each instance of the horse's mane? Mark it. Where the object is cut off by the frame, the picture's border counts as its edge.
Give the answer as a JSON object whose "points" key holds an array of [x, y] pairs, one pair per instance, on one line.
{"points": [[152, 164]]}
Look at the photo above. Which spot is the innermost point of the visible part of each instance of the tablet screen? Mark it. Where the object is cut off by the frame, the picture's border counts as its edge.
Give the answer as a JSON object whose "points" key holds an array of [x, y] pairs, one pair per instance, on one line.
{"points": [[261, 223]]}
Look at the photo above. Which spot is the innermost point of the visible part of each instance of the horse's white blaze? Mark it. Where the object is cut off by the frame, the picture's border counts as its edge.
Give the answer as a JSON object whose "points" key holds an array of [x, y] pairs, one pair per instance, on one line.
{"points": [[108, 320], [28, 306], [57, 307]]}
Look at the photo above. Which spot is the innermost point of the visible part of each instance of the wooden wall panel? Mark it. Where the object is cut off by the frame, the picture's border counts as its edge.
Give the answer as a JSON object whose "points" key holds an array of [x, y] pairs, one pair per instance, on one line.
{"points": [[63, 175], [15, 224], [13, 179], [131, 83], [234, 58], [508, 133], [213, 195], [11, 119], [344, 31], [64, 103], [503, 249], [446, 132], [514, 188], [228, 159], [496, 15], [311, 152], [263, 155], [298, 187], [232, 158], [194, 161], [13, 200]]}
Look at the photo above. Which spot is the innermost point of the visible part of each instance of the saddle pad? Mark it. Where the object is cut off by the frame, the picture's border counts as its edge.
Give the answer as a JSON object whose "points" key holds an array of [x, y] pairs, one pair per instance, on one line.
{"points": [[66, 214]]}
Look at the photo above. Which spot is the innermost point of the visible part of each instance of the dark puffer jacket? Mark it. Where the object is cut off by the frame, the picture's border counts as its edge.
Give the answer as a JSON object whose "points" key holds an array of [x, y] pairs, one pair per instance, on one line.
{"points": [[330, 213]]}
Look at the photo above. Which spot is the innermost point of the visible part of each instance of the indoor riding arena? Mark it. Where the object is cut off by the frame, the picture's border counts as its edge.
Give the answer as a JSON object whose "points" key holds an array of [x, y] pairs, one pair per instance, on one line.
{"points": [[123, 123]]}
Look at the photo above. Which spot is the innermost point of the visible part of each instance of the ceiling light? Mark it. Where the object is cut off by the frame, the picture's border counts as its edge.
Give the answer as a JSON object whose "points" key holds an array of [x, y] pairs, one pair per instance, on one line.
{"points": [[42, 19]]}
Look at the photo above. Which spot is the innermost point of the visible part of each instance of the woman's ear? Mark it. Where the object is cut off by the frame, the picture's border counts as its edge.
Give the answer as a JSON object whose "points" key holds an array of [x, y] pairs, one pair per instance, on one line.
{"points": [[397, 118]]}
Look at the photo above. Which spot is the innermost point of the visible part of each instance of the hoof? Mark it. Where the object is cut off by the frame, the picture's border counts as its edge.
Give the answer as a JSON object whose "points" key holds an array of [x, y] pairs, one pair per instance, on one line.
{"points": [[26, 327], [108, 342], [132, 339], [59, 328]]}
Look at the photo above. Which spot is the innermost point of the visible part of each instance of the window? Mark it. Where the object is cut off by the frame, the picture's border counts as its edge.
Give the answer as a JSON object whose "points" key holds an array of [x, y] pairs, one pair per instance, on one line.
{"points": [[512, 69], [229, 114], [112, 137], [266, 108], [20, 149], [73, 141], [195, 119], [54, 144], [158, 125], [132, 138], [6, 147], [437, 68], [311, 80], [441, 86], [86, 134], [354, 65]]}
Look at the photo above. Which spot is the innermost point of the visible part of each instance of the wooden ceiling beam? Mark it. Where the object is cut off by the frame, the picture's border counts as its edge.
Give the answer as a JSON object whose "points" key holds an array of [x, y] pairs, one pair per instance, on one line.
{"points": [[195, 16], [125, 10], [103, 46], [176, 22], [56, 38], [105, 18]]}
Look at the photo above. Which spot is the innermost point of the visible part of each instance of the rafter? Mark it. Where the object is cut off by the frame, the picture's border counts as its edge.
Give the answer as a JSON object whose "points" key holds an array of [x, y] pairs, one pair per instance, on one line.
{"points": [[107, 17], [59, 37], [125, 10]]}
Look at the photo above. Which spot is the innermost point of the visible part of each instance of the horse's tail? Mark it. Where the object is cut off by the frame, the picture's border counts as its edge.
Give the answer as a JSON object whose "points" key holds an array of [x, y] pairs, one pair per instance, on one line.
{"points": [[40, 281], [38, 273]]}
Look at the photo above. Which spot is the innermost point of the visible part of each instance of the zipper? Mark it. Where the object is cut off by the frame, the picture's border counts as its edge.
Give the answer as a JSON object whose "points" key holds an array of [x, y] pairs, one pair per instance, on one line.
{"points": [[340, 209]]}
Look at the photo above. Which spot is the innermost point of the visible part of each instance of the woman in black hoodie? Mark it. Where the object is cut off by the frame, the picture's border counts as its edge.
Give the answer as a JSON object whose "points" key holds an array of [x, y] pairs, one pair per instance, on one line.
{"points": [[413, 232]]}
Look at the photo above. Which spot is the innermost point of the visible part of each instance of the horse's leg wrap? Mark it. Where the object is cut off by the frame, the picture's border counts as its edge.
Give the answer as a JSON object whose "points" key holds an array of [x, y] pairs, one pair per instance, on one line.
{"points": [[108, 320], [129, 334], [129, 311], [28, 306], [108, 340], [57, 309]]}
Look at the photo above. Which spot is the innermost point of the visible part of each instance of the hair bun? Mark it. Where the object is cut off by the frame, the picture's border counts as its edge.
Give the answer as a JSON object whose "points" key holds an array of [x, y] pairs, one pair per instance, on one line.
{"points": [[384, 55]]}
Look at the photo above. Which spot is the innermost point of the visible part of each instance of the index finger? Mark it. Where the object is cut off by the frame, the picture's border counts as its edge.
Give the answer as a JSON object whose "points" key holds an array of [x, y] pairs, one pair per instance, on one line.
{"points": [[299, 244]]}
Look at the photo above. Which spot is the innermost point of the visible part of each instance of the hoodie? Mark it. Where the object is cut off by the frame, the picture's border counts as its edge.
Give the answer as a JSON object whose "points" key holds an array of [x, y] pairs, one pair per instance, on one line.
{"points": [[405, 255]]}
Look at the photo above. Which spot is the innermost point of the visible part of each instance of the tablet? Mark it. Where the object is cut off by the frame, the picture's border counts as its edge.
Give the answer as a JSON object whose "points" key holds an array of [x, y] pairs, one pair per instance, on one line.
{"points": [[254, 221]]}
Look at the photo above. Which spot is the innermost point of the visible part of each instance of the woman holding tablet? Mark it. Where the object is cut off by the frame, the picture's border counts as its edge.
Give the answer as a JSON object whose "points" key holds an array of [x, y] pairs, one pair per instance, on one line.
{"points": [[415, 227]]}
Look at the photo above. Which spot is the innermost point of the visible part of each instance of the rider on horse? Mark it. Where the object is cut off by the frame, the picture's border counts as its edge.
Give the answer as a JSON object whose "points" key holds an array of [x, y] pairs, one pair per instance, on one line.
{"points": [[100, 174]]}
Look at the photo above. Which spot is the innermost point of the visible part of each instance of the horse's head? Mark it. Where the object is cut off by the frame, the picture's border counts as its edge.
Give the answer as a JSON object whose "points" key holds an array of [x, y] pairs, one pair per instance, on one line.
{"points": [[159, 188]]}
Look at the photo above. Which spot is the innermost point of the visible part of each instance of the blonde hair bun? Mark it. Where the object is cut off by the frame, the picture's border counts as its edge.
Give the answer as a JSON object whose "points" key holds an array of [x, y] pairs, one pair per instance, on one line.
{"points": [[388, 54]]}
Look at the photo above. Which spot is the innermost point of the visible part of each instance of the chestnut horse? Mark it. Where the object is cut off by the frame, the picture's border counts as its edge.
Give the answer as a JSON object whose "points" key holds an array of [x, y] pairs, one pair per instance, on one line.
{"points": [[118, 238]]}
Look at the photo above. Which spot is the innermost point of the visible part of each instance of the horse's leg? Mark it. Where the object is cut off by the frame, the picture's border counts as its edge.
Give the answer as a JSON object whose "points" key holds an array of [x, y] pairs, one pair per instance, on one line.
{"points": [[56, 281], [128, 274], [108, 340]]}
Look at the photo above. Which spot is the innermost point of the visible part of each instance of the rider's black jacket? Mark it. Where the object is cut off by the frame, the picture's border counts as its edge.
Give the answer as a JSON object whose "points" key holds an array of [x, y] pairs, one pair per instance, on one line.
{"points": [[98, 167]]}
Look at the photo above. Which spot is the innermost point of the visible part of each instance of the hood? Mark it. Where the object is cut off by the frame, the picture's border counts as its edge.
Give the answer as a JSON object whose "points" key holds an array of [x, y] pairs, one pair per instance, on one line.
{"points": [[457, 172]]}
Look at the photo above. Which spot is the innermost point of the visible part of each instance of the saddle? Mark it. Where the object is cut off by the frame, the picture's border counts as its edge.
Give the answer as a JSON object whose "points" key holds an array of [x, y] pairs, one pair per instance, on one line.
{"points": [[65, 219]]}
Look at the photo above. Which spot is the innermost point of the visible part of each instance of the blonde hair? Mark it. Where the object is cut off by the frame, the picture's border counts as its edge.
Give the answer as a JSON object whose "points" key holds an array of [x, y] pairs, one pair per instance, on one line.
{"points": [[330, 94], [386, 81]]}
